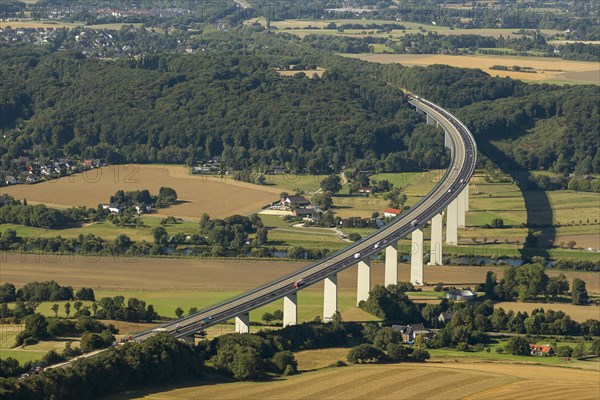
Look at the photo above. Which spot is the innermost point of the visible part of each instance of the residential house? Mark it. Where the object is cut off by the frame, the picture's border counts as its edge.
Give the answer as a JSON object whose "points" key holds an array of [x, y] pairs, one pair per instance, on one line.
{"points": [[366, 190], [201, 170], [294, 202], [114, 208], [541, 350], [411, 331], [445, 316], [10, 180], [461, 295], [307, 214], [391, 212]]}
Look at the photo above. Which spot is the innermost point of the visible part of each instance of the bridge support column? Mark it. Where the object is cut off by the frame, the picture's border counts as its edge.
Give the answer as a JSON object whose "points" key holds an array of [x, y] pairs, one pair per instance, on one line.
{"points": [[391, 264], [189, 339], [467, 197], [330, 306], [290, 309], [416, 258], [461, 210], [452, 223], [435, 253], [363, 281], [242, 323], [431, 120]]}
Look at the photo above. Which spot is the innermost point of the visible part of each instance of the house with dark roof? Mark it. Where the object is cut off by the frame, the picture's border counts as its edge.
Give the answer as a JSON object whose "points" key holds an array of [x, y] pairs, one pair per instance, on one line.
{"points": [[294, 201], [445, 316], [307, 214], [411, 331]]}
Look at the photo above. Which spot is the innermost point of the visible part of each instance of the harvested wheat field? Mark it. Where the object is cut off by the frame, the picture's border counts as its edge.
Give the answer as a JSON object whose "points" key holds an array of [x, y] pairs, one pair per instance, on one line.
{"points": [[108, 273], [545, 68], [196, 194], [578, 313], [401, 381]]}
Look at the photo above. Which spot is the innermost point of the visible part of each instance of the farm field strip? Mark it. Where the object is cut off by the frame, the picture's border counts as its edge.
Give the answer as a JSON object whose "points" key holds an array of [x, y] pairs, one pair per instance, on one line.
{"points": [[196, 194], [212, 275], [394, 381], [547, 69]]}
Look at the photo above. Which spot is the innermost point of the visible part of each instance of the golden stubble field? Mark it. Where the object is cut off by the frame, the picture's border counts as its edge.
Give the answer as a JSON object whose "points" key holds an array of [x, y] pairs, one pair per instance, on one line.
{"points": [[401, 381], [203, 277], [548, 69], [108, 273], [196, 194]]}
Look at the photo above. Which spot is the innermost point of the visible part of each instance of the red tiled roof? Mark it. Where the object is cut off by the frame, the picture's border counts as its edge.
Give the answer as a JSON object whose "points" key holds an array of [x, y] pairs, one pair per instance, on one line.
{"points": [[392, 211], [541, 348]]}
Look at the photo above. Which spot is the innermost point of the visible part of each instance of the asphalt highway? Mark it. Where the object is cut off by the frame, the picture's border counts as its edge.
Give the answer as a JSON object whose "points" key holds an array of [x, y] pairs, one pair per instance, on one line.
{"points": [[452, 183]]}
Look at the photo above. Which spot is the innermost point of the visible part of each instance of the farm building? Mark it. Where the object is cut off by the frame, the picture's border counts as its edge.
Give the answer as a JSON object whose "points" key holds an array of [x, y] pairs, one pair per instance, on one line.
{"points": [[461, 295], [294, 201], [391, 212], [541, 350]]}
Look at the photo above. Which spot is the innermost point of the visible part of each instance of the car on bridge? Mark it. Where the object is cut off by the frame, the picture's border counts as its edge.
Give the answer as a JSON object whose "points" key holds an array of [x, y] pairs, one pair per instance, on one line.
{"points": [[299, 283]]}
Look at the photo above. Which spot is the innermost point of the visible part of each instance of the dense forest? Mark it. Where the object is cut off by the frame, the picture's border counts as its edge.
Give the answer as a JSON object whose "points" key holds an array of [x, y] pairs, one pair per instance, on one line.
{"points": [[229, 101]]}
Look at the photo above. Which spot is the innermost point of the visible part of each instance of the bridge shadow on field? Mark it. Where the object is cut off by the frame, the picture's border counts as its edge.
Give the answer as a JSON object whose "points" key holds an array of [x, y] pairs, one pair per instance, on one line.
{"points": [[541, 232]]}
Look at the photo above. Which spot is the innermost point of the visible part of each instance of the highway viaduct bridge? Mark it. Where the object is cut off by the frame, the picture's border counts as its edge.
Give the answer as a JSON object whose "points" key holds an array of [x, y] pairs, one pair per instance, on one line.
{"points": [[450, 194]]}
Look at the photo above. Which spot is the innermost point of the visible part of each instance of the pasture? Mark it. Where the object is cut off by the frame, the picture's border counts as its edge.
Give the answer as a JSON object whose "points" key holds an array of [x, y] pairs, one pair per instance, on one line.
{"points": [[302, 28], [548, 70], [219, 197], [106, 229], [397, 381]]}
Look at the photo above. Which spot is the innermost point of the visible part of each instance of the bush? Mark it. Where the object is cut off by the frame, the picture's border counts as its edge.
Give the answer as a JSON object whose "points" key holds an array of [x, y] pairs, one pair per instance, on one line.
{"points": [[60, 327], [564, 351], [420, 355], [387, 336], [51, 357], [94, 341], [339, 363], [518, 346], [285, 360], [398, 352], [355, 237], [70, 352], [595, 349], [364, 353], [85, 294]]}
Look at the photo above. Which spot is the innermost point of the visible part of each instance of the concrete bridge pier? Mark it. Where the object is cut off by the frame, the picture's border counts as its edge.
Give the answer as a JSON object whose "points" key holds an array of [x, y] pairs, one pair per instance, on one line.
{"points": [[290, 309], [363, 281], [416, 258], [242, 323], [435, 253], [391, 264], [330, 305], [431, 120], [461, 209], [452, 223], [466, 191], [189, 339]]}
